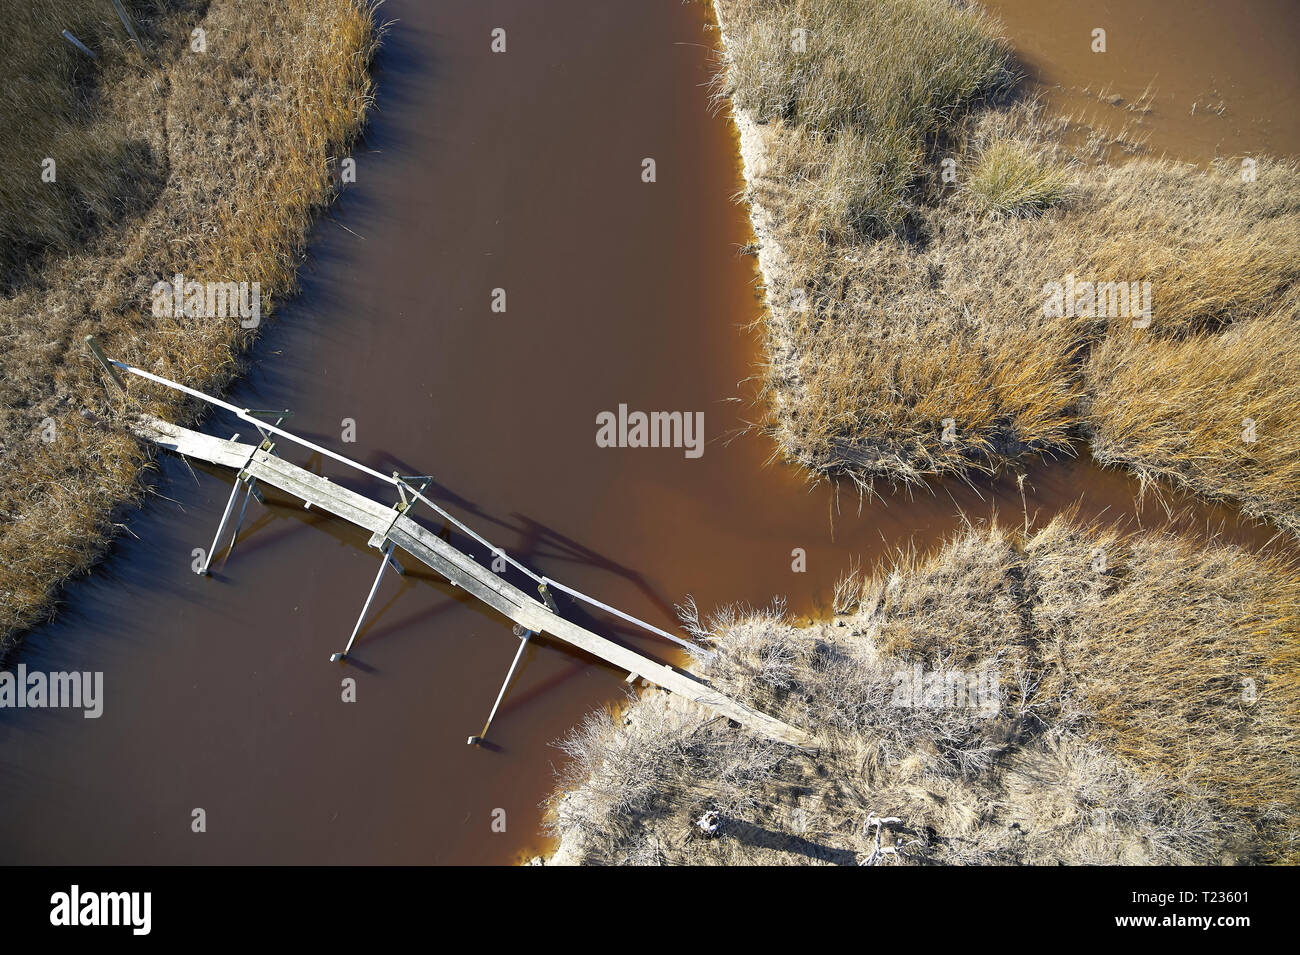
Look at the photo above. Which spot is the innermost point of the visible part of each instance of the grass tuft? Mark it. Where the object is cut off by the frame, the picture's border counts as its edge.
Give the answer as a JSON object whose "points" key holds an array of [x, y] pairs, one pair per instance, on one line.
{"points": [[862, 87], [1010, 179]]}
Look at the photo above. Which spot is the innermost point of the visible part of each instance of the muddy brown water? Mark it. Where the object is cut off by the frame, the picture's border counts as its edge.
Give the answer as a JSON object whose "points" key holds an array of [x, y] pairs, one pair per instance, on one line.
{"points": [[1223, 78], [519, 171]]}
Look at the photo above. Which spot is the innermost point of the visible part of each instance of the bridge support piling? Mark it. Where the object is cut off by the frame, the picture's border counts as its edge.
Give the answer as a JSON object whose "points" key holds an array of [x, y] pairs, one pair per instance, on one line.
{"points": [[374, 589], [230, 506], [524, 637], [250, 488]]}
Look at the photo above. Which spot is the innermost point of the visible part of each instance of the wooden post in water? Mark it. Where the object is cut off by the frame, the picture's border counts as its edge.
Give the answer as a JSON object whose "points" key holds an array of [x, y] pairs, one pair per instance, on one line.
{"points": [[396, 566], [251, 485], [380, 540], [248, 480], [230, 506]]}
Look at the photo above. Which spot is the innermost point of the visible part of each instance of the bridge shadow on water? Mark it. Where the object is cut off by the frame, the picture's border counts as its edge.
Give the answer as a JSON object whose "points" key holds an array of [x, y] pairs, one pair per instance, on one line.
{"points": [[533, 543]]}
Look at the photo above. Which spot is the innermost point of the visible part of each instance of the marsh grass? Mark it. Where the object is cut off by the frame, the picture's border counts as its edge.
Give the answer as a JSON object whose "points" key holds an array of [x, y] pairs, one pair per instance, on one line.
{"points": [[903, 64], [1150, 682], [1184, 414], [899, 303], [865, 86], [1010, 179], [1124, 730], [58, 105], [245, 137]]}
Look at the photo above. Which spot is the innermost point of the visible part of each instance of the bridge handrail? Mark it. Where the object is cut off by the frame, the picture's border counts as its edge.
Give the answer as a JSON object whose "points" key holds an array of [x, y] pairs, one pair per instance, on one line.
{"points": [[243, 414]]}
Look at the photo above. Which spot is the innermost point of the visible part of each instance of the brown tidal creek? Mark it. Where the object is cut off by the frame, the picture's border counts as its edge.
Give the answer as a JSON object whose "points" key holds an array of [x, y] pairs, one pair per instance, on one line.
{"points": [[519, 171]]}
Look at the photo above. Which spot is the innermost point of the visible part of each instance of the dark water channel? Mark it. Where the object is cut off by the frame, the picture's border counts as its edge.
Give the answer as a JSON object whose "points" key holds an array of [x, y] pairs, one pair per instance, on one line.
{"points": [[519, 171]]}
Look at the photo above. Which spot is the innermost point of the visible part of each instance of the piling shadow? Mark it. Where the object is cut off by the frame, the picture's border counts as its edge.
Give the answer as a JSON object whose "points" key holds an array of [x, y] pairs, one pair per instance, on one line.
{"points": [[761, 838], [534, 545]]}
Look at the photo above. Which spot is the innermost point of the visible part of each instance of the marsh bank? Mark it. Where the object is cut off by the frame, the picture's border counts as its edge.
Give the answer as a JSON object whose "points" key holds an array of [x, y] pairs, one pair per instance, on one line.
{"points": [[638, 783], [619, 292]]}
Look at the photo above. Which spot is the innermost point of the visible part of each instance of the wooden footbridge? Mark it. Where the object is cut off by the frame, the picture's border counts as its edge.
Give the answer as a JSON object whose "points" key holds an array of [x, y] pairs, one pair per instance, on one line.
{"points": [[391, 528]]}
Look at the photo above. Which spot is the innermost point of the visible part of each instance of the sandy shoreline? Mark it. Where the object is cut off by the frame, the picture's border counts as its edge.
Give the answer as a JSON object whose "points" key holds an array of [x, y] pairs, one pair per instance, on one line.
{"points": [[773, 262]]}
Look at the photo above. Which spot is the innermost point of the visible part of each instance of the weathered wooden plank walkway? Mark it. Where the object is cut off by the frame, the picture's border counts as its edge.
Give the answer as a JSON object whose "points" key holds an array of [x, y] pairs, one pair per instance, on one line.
{"points": [[388, 524]]}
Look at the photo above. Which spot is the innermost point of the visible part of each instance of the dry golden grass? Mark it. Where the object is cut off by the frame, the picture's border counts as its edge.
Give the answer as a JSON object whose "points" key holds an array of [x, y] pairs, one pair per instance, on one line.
{"points": [[864, 85], [910, 64], [906, 334], [1150, 684], [1141, 643], [1009, 178], [245, 136], [58, 104], [1186, 664], [1148, 711], [1182, 413]]}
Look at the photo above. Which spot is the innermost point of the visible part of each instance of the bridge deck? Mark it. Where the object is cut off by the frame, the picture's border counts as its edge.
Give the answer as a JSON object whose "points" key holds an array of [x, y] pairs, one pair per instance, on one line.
{"points": [[386, 523]]}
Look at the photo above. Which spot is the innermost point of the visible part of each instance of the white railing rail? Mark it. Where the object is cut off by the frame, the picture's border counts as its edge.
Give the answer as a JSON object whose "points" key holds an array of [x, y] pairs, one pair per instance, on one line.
{"points": [[245, 415]]}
